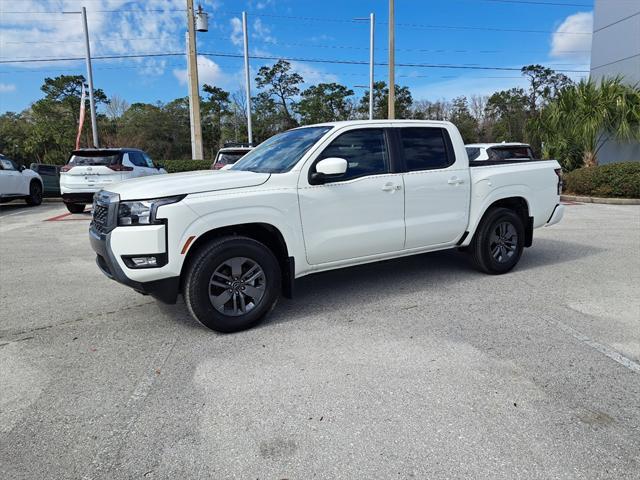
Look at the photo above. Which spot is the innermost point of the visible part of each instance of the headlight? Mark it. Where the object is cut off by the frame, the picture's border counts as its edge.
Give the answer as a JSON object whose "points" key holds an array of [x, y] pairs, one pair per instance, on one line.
{"points": [[142, 212]]}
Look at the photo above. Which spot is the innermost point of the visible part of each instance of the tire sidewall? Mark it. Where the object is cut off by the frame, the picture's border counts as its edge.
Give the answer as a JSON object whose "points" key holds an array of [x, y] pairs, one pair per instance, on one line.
{"points": [[494, 218], [35, 197], [203, 267]]}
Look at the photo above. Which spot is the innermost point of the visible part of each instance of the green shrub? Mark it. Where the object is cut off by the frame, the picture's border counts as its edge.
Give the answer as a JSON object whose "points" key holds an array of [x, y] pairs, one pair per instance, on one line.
{"points": [[613, 180], [174, 166]]}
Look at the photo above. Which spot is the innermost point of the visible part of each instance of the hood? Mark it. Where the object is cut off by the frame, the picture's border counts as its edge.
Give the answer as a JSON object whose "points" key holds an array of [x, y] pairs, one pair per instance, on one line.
{"points": [[166, 185]]}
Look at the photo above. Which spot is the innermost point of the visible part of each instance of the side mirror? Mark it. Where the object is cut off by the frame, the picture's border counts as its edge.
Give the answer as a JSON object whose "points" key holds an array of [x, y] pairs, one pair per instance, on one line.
{"points": [[22, 168], [327, 169]]}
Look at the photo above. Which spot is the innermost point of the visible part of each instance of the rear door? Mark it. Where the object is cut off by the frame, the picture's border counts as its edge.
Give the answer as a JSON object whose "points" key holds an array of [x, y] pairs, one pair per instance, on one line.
{"points": [[10, 178], [436, 187], [140, 166], [92, 170]]}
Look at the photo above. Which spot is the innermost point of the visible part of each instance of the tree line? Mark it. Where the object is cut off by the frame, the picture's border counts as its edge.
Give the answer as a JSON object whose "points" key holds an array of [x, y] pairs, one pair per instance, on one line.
{"points": [[45, 132]]}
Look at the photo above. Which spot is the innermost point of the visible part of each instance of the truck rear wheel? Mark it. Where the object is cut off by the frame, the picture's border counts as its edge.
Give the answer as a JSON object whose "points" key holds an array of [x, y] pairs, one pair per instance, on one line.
{"points": [[498, 243], [232, 283]]}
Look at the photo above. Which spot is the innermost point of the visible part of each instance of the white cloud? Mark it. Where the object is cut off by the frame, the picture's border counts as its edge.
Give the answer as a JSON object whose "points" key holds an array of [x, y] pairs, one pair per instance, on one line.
{"points": [[7, 87], [137, 27], [236, 31], [568, 40], [262, 32], [208, 72]]}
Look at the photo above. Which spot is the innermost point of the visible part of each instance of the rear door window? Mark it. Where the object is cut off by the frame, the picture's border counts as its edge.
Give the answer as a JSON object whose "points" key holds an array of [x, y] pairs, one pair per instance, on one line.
{"points": [[137, 159], [425, 148]]}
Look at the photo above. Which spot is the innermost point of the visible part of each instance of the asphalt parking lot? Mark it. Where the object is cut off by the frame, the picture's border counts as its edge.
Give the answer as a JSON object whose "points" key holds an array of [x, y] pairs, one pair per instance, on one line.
{"points": [[414, 368]]}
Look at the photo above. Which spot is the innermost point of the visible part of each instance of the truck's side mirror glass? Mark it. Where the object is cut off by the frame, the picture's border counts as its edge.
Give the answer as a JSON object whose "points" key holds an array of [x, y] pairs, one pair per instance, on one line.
{"points": [[329, 168]]}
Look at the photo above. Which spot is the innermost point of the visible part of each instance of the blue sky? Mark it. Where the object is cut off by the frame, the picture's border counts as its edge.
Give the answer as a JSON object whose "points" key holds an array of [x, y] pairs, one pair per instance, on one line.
{"points": [[469, 33]]}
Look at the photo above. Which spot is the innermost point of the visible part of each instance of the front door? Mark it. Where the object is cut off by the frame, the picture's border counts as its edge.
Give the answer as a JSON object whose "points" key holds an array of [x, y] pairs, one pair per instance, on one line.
{"points": [[360, 213]]}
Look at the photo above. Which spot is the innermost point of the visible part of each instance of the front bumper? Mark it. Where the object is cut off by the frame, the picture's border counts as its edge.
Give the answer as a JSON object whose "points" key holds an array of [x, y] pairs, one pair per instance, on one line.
{"points": [[165, 290]]}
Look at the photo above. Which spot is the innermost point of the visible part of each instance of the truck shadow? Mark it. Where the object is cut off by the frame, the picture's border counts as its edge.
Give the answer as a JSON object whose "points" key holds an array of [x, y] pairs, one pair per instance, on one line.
{"points": [[362, 284]]}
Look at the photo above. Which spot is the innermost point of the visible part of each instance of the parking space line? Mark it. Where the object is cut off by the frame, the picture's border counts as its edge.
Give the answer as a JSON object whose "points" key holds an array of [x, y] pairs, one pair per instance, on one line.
{"points": [[64, 216], [609, 352]]}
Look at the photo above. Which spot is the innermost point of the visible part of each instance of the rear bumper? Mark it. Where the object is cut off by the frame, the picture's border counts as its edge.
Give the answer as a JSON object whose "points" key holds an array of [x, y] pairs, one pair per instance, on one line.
{"points": [[78, 197], [556, 216], [166, 289]]}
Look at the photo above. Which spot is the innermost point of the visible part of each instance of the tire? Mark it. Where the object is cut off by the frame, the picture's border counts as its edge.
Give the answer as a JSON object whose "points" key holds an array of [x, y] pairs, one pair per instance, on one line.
{"points": [[210, 277], [35, 194], [75, 207], [499, 242]]}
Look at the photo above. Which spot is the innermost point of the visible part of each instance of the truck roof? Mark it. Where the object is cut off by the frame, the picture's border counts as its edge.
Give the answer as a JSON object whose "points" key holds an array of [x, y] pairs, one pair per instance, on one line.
{"points": [[345, 123]]}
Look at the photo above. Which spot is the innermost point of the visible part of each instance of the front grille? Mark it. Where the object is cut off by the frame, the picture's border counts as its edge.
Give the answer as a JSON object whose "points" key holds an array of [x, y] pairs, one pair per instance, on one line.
{"points": [[105, 206]]}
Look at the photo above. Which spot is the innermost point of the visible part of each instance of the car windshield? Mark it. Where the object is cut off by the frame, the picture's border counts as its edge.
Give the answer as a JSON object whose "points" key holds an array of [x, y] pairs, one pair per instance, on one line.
{"points": [[81, 159], [281, 152]]}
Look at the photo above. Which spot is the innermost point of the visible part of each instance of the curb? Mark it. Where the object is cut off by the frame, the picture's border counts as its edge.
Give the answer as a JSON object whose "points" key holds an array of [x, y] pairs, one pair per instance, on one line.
{"points": [[607, 201]]}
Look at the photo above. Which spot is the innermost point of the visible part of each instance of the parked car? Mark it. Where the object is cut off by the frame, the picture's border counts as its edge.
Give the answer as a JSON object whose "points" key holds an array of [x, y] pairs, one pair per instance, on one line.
{"points": [[317, 198], [228, 155], [499, 152], [50, 175], [89, 170], [18, 182]]}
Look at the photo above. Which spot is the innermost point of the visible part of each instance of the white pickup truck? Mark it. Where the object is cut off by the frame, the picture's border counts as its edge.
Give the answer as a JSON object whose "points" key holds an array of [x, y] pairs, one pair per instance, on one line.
{"points": [[316, 198]]}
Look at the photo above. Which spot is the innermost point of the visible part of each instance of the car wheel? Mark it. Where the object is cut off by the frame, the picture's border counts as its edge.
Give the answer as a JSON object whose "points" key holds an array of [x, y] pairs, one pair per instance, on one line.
{"points": [[498, 244], [232, 283], [75, 207], [35, 194]]}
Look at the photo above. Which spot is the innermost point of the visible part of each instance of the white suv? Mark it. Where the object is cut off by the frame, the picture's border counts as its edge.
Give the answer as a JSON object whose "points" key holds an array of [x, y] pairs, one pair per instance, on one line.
{"points": [[19, 182], [90, 170]]}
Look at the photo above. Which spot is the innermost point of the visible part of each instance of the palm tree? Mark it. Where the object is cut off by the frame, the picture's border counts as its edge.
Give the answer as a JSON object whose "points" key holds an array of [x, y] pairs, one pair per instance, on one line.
{"points": [[585, 116]]}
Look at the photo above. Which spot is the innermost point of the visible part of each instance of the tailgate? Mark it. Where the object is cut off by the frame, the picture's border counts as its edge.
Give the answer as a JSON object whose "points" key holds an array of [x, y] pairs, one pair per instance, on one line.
{"points": [[89, 176]]}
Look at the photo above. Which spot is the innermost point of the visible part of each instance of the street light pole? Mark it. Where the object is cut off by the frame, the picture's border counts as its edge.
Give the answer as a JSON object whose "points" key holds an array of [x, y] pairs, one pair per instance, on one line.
{"points": [[246, 76], [92, 104], [372, 19], [194, 90], [392, 56]]}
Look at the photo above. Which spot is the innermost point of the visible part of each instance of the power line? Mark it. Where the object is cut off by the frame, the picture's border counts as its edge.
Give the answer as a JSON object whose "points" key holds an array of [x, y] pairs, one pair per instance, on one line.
{"points": [[269, 57]]}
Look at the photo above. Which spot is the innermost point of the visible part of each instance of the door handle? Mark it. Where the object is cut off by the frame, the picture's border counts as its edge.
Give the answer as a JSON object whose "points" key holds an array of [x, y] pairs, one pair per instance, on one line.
{"points": [[390, 187], [455, 181]]}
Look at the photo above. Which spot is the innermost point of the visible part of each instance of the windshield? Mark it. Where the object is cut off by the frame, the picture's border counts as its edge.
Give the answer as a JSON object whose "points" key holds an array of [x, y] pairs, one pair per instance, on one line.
{"points": [[89, 159], [281, 152]]}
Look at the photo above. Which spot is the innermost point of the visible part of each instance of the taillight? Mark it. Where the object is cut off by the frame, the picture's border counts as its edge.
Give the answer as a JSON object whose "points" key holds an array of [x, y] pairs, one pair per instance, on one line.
{"points": [[559, 174], [120, 168], [66, 168]]}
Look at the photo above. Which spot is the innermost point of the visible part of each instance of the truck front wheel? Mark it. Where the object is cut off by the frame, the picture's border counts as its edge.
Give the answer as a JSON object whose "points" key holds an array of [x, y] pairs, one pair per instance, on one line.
{"points": [[498, 243], [232, 283]]}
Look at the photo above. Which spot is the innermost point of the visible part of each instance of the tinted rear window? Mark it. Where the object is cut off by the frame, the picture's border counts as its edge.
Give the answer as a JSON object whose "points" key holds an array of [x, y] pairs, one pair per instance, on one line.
{"points": [[97, 158], [509, 153]]}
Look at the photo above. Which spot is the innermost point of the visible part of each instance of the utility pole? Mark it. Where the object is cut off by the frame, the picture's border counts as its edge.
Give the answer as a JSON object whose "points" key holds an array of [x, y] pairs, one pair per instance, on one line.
{"points": [[247, 75], [392, 58], [92, 104], [372, 19], [194, 90]]}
